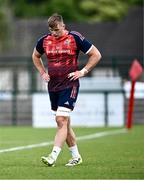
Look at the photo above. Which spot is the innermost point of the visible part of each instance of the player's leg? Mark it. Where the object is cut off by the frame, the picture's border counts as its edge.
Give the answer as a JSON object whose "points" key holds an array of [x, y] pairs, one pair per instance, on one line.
{"points": [[50, 160], [62, 117], [59, 140], [71, 138], [73, 148]]}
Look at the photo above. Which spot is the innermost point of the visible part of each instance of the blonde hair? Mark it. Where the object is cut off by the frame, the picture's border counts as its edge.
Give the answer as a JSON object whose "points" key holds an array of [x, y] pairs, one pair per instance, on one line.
{"points": [[54, 20]]}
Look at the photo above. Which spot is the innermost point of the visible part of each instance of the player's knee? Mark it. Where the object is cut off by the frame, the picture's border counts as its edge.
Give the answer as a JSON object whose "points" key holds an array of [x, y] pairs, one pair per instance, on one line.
{"points": [[61, 121]]}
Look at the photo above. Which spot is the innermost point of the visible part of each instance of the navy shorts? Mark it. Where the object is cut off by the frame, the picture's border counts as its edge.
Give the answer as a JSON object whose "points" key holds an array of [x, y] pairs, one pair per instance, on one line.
{"points": [[64, 98]]}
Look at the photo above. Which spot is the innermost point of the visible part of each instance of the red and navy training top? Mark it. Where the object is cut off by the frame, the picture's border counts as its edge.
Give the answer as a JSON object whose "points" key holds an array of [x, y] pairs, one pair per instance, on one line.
{"points": [[62, 54]]}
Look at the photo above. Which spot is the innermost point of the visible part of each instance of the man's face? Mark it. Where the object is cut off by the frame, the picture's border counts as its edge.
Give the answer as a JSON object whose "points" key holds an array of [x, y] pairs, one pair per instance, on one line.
{"points": [[58, 30]]}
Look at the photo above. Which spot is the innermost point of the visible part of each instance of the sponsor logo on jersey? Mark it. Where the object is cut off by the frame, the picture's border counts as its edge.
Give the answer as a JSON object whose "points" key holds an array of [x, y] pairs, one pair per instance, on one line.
{"points": [[59, 51]]}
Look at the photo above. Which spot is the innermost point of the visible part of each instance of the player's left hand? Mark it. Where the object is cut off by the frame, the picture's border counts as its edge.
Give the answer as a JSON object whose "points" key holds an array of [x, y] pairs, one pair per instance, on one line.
{"points": [[75, 75]]}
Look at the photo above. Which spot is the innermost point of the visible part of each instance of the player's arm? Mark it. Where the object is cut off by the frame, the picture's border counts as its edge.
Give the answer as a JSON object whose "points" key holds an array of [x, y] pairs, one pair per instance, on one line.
{"points": [[36, 57], [94, 57]]}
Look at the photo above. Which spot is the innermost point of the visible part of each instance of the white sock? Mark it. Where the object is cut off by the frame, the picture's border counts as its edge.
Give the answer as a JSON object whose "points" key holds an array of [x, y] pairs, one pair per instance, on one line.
{"points": [[55, 152], [74, 151]]}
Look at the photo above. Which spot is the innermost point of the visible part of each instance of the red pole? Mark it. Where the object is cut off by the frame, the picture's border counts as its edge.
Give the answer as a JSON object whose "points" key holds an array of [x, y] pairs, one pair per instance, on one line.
{"points": [[131, 105]]}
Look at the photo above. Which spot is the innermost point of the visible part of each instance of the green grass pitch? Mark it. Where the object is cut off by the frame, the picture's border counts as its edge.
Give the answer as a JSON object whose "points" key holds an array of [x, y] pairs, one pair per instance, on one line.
{"points": [[119, 156]]}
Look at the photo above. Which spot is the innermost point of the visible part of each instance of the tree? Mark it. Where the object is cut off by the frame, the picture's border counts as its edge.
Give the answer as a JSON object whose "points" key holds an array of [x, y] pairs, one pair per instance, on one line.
{"points": [[74, 10]]}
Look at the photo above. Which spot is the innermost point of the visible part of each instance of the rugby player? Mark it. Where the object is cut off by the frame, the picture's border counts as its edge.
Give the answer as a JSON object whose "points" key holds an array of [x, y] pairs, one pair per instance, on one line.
{"points": [[62, 48]]}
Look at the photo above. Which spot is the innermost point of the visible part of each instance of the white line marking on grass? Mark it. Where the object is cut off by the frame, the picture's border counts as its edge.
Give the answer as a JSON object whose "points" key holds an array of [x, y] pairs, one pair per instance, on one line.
{"points": [[26, 147], [101, 134], [80, 138]]}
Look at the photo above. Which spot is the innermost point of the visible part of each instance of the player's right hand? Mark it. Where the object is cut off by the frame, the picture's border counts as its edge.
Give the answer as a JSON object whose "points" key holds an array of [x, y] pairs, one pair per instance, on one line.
{"points": [[45, 77]]}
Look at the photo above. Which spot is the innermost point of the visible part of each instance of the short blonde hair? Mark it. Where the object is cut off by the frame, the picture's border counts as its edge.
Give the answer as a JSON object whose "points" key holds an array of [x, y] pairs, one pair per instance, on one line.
{"points": [[54, 20]]}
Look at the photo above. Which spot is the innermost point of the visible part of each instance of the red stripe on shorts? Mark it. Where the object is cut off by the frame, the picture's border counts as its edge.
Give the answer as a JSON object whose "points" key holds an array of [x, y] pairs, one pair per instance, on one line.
{"points": [[73, 92]]}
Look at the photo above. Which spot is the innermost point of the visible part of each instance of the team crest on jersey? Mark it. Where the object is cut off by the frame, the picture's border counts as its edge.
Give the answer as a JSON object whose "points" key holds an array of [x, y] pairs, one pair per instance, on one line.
{"points": [[49, 42], [67, 42]]}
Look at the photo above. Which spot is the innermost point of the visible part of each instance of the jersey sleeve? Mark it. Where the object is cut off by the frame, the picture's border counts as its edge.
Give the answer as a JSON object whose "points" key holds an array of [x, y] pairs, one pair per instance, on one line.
{"points": [[39, 45], [82, 43]]}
